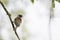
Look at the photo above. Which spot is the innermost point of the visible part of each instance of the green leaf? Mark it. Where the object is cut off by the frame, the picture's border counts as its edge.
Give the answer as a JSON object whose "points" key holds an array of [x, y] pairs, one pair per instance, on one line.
{"points": [[58, 1], [53, 4], [4, 1], [32, 1]]}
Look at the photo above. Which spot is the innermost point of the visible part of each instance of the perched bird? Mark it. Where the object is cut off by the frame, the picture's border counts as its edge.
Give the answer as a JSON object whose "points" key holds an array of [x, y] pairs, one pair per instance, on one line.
{"points": [[18, 21]]}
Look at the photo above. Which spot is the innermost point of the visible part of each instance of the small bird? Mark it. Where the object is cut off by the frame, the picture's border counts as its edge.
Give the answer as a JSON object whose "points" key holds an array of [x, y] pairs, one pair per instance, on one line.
{"points": [[18, 21]]}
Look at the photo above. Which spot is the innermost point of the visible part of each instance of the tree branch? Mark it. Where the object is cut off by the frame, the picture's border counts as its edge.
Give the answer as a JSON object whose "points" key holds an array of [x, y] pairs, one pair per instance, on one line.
{"points": [[10, 19], [51, 17]]}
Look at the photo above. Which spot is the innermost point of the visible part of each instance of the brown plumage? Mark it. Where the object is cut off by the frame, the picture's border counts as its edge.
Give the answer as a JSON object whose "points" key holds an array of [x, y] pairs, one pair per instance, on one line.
{"points": [[18, 20]]}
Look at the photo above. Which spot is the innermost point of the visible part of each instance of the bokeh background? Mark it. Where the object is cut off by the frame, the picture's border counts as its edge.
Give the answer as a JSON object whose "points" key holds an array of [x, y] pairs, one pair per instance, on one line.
{"points": [[35, 24]]}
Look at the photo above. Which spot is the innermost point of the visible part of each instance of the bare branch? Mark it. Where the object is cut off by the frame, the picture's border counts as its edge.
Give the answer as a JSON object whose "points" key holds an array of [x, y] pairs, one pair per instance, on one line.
{"points": [[10, 19]]}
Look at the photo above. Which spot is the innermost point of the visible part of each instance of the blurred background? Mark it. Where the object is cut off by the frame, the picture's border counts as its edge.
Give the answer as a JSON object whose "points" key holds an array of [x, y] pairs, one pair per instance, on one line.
{"points": [[35, 22]]}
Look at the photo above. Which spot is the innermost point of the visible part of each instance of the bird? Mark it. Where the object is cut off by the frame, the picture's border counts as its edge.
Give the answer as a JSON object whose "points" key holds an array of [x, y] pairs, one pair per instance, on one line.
{"points": [[18, 21]]}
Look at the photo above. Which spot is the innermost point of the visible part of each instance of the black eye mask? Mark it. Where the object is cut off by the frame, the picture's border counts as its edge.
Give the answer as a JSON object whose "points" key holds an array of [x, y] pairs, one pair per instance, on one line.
{"points": [[20, 15]]}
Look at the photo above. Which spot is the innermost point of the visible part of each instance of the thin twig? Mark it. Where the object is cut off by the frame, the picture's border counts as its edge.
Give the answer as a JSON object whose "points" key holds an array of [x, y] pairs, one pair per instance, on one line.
{"points": [[51, 17], [10, 19]]}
